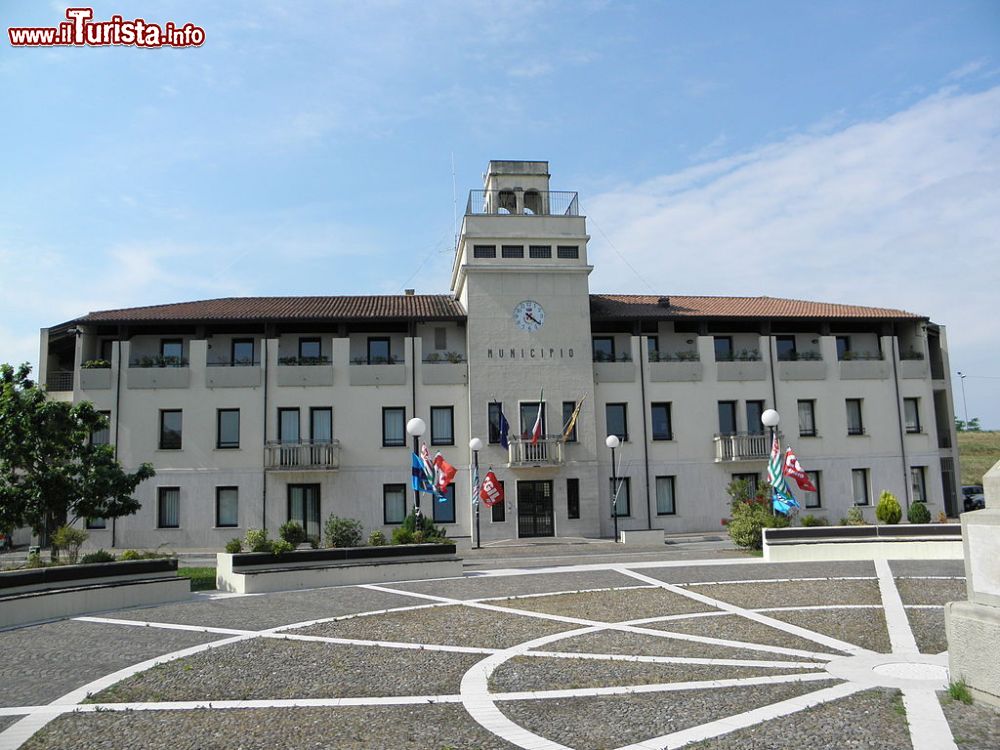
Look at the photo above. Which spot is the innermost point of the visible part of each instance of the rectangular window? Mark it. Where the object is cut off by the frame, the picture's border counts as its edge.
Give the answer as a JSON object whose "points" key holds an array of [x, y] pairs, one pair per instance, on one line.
{"points": [[393, 426], [604, 348], [727, 417], [843, 346], [168, 508], [653, 348], [723, 348], [665, 496], [242, 352], [911, 412], [568, 252], [321, 424], [444, 512], [172, 350], [440, 339], [288, 426], [617, 420], [785, 346], [859, 481], [572, 498], [567, 414], [499, 511], [227, 428], [303, 507], [539, 251], [227, 507], [310, 348], [807, 418], [917, 479], [755, 410], [623, 503], [660, 417], [855, 425], [442, 425], [512, 251], [378, 350], [484, 251], [813, 499], [97, 523], [750, 479], [171, 428], [107, 346], [393, 503], [102, 436], [529, 413], [493, 417]]}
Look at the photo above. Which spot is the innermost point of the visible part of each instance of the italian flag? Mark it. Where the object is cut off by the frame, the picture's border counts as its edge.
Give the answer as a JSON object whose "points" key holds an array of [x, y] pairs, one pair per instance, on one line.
{"points": [[536, 431]]}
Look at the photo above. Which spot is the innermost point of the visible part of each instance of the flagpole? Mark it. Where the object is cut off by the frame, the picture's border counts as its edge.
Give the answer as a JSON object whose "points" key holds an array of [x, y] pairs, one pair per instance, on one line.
{"points": [[770, 418], [416, 427], [613, 442], [476, 445]]}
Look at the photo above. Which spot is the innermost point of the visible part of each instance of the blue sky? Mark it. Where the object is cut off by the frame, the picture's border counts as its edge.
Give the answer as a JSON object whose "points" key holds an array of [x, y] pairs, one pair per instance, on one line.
{"points": [[840, 151]]}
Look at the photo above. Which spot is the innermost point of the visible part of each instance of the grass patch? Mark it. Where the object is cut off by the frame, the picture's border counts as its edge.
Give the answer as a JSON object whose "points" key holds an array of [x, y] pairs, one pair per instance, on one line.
{"points": [[959, 691], [977, 451], [202, 579]]}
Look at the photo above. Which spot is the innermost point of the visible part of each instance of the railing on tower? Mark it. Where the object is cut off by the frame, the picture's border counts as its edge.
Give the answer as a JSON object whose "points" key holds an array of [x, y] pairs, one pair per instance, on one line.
{"points": [[523, 203]]}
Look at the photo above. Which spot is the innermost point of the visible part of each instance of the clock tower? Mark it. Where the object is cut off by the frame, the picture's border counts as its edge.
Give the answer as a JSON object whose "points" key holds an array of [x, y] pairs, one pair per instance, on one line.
{"points": [[521, 273]]}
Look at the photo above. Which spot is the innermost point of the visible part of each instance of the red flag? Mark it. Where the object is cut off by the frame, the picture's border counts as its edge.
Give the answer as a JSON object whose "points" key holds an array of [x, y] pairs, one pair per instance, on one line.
{"points": [[491, 491], [444, 472], [794, 470]]}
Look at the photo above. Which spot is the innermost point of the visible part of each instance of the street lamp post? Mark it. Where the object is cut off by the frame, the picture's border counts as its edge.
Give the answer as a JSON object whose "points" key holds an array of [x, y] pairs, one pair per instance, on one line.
{"points": [[965, 406], [416, 427], [770, 418], [613, 442], [476, 445]]}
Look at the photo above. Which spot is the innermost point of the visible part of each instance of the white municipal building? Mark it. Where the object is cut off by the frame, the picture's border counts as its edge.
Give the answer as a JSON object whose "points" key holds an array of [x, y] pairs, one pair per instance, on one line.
{"points": [[261, 409]]}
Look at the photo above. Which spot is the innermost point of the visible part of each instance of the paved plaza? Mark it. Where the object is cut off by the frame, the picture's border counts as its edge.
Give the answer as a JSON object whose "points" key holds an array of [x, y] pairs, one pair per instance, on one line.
{"points": [[629, 653]]}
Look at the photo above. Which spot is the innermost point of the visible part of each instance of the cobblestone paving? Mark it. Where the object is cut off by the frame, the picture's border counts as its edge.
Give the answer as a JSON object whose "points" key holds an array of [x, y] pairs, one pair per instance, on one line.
{"points": [[478, 587], [452, 625], [975, 727], [930, 591], [439, 727], [611, 642], [44, 662], [862, 627], [620, 720], [736, 628], [6, 721], [927, 568], [265, 668], [867, 721], [761, 571], [928, 630], [793, 593], [610, 606]]}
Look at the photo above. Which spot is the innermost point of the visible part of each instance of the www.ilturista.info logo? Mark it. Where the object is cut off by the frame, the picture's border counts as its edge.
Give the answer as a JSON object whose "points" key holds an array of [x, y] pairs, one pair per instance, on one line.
{"points": [[81, 30]]}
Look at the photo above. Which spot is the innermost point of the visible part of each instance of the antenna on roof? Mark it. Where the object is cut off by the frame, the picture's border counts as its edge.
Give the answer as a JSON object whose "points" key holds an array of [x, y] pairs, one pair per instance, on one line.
{"points": [[454, 198]]}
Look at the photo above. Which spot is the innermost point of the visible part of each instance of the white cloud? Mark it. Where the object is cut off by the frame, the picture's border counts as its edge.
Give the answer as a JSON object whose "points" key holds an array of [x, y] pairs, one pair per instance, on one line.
{"points": [[902, 212]]}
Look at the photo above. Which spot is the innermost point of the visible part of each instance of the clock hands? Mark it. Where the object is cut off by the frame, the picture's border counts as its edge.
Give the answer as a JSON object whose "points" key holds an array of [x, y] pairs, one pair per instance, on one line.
{"points": [[532, 318]]}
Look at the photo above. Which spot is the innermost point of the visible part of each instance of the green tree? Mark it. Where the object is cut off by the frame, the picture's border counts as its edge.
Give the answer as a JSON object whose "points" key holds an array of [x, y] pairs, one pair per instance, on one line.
{"points": [[50, 472]]}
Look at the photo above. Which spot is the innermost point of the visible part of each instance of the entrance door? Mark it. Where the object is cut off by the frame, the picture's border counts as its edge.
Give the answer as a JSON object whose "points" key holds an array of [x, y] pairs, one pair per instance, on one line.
{"points": [[534, 509], [303, 506]]}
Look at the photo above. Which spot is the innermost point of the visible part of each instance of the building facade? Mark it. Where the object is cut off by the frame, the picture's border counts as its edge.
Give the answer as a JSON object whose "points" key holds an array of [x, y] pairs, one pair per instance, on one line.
{"points": [[259, 410]]}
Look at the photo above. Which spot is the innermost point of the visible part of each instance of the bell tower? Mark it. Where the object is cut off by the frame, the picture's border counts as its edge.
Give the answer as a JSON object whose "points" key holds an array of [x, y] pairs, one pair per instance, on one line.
{"points": [[521, 272]]}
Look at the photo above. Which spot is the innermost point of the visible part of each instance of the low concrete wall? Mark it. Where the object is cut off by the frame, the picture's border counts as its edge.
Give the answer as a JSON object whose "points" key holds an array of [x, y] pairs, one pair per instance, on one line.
{"points": [[641, 536], [255, 573], [903, 542]]}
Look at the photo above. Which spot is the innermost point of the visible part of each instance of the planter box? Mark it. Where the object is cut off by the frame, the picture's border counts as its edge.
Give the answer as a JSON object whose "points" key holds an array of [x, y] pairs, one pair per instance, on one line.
{"points": [[232, 377], [802, 370], [98, 379], [378, 374], [740, 370], [41, 594], [444, 373], [895, 542], [614, 372], [259, 572], [158, 377], [675, 372], [305, 375], [641, 536]]}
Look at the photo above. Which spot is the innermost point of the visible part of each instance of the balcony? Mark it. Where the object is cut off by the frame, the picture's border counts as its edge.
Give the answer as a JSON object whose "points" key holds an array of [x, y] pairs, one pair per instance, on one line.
{"points": [[158, 372], [59, 381], [742, 446], [377, 373], [304, 455], [863, 366], [533, 203], [547, 452], [95, 378], [233, 375]]}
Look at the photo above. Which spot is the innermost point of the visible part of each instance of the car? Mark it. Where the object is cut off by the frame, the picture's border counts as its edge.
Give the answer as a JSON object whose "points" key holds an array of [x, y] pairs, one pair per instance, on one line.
{"points": [[973, 497]]}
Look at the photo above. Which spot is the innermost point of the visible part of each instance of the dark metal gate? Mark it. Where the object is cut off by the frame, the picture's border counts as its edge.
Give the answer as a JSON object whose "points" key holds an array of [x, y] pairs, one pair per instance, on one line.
{"points": [[534, 509]]}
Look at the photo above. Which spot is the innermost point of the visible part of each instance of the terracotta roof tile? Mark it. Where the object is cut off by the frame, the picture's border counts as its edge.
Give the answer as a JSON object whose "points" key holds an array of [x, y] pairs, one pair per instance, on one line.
{"points": [[367, 307], [635, 306]]}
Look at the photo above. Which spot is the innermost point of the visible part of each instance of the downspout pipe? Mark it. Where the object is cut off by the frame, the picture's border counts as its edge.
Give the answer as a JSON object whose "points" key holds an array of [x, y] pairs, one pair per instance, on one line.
{"points": [[643, 356], [899, 421]]}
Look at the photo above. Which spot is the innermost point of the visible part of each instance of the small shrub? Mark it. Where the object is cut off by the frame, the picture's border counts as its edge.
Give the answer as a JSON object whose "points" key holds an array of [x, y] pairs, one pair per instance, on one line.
{"points": [[234, 546], [402, 536], [959, 691], [748, 521], [942, 517], [293, 533], [811, 520], [918, 513], [97, 557], [376, 539], [256, 540], [281, 546], [854, 517], [888, 510], [419, 537], [130, 554], [69, 539], [342, 532], [34, 561]]}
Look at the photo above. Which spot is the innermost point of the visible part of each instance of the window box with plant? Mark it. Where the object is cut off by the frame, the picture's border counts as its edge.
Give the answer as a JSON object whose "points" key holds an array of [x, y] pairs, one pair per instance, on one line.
{"points": [[303, 361], [96, 364]]}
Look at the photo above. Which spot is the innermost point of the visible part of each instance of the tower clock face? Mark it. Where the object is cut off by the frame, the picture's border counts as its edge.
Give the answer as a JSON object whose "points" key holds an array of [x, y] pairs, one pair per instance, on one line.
{"points": [[529, 315]]}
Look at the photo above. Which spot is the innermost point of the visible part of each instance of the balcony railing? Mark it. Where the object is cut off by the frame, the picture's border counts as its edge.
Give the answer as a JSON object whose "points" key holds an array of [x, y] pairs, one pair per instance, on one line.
{"points": [[742, 446], [303, 455], [533, 203], [60, 381], [548, 451]]}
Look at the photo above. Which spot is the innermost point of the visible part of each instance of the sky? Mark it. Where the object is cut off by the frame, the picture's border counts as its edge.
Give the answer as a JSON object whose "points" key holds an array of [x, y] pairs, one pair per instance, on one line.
{"points": [[836, 151]]}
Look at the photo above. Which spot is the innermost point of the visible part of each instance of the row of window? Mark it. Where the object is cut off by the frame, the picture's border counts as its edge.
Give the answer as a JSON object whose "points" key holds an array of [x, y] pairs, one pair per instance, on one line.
{"points": [[786, 349], [860, 486], [539, 252]]}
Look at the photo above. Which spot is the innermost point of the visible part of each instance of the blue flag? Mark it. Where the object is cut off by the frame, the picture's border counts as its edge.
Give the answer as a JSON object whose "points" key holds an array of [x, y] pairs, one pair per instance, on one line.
{"points": [[784, 502], [504, 428], [420, 481]]}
